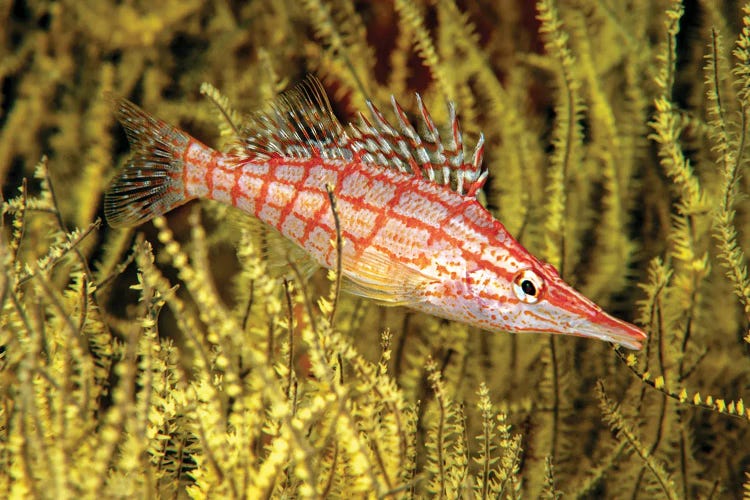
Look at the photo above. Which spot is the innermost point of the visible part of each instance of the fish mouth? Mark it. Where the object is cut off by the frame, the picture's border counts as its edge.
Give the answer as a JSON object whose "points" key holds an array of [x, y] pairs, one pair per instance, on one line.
{"points": [[608, 328]]}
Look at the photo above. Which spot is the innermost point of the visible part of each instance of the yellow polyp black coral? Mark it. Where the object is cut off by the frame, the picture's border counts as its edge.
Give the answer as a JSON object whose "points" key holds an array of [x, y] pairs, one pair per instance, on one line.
{"points": [[179, 360], [566, 142], [412, 18], [347, 54], [498, 476], [623, 431]]}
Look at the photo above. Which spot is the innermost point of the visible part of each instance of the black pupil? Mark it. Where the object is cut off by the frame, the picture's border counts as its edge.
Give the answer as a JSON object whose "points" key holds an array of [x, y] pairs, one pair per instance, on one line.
{"points": [[528, 287]]}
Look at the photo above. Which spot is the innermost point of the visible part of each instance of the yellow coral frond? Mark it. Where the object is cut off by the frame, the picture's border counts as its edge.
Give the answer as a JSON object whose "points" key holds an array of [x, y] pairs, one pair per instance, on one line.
{"points": [[566, 133], [229, 119], [190, 369], [624, 431], [413, 19], [345, 45]]}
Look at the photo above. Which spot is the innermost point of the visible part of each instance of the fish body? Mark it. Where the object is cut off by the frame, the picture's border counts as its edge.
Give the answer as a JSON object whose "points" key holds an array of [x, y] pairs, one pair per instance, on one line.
{"points": [[414, 233]]}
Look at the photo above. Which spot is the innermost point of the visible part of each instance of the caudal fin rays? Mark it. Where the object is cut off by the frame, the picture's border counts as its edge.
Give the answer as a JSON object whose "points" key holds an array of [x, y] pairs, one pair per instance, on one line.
{"points": [[151, 182]]}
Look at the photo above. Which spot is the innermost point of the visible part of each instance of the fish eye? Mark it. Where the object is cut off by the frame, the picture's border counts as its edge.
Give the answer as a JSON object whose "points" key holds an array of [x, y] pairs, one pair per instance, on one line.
{"points": [[528, 286]]}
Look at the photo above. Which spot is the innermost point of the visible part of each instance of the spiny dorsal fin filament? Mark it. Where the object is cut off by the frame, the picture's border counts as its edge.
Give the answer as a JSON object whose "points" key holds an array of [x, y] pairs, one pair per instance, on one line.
{"points": [[425, 154], [433, 139], [479, 175], [301, 124]]}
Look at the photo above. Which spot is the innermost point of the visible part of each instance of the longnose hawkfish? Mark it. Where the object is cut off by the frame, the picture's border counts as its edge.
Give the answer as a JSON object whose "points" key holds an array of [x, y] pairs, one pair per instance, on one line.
{"points": [[414, 232]]}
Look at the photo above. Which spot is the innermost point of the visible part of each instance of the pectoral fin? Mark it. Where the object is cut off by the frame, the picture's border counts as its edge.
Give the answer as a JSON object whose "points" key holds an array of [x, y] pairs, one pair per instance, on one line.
{"points": [[376, 276]]}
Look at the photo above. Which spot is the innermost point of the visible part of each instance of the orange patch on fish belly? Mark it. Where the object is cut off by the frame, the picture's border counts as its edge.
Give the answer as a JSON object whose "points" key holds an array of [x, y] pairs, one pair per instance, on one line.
{"points": [[280, 194], [318, 242], [358, 223], [294, 227], [308, 202]]}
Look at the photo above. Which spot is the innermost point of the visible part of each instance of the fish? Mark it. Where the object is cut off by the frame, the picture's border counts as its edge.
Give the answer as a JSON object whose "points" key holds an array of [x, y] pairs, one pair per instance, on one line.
{"points": [[414, 233]]}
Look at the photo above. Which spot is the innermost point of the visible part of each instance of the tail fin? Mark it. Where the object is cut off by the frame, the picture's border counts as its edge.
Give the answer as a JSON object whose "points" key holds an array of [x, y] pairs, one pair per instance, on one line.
{"points": [[151, 183]]}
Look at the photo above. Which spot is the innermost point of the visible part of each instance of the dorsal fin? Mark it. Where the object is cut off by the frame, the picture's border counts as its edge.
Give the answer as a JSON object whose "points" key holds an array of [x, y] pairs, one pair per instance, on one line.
{"points": [[301, 124], [424, 154]]}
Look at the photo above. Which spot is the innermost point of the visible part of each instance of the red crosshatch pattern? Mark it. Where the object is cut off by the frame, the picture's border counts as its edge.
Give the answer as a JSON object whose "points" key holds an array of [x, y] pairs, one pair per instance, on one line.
{"points": [[414, 233]]}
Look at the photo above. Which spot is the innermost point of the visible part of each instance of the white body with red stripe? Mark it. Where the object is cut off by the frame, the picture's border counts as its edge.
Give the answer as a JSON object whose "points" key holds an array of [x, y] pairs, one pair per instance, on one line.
{"points": [[414, 233]]}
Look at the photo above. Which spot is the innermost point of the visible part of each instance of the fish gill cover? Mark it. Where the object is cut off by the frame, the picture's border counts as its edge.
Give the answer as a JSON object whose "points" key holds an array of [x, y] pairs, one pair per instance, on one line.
{"points": [[173, 361]]}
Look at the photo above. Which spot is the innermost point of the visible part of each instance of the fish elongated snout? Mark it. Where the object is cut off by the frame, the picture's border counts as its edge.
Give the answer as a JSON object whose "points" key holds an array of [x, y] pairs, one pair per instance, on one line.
{"points": [[605, 327], [579, 316]]}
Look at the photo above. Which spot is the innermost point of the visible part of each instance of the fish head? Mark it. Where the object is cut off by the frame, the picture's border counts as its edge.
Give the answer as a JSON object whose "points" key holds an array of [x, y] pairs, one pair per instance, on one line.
{"points": [[542, 302]]}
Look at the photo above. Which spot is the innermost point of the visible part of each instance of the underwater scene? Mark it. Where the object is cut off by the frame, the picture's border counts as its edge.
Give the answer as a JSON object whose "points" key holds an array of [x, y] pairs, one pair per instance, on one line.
{"points": [[186, 350]]}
